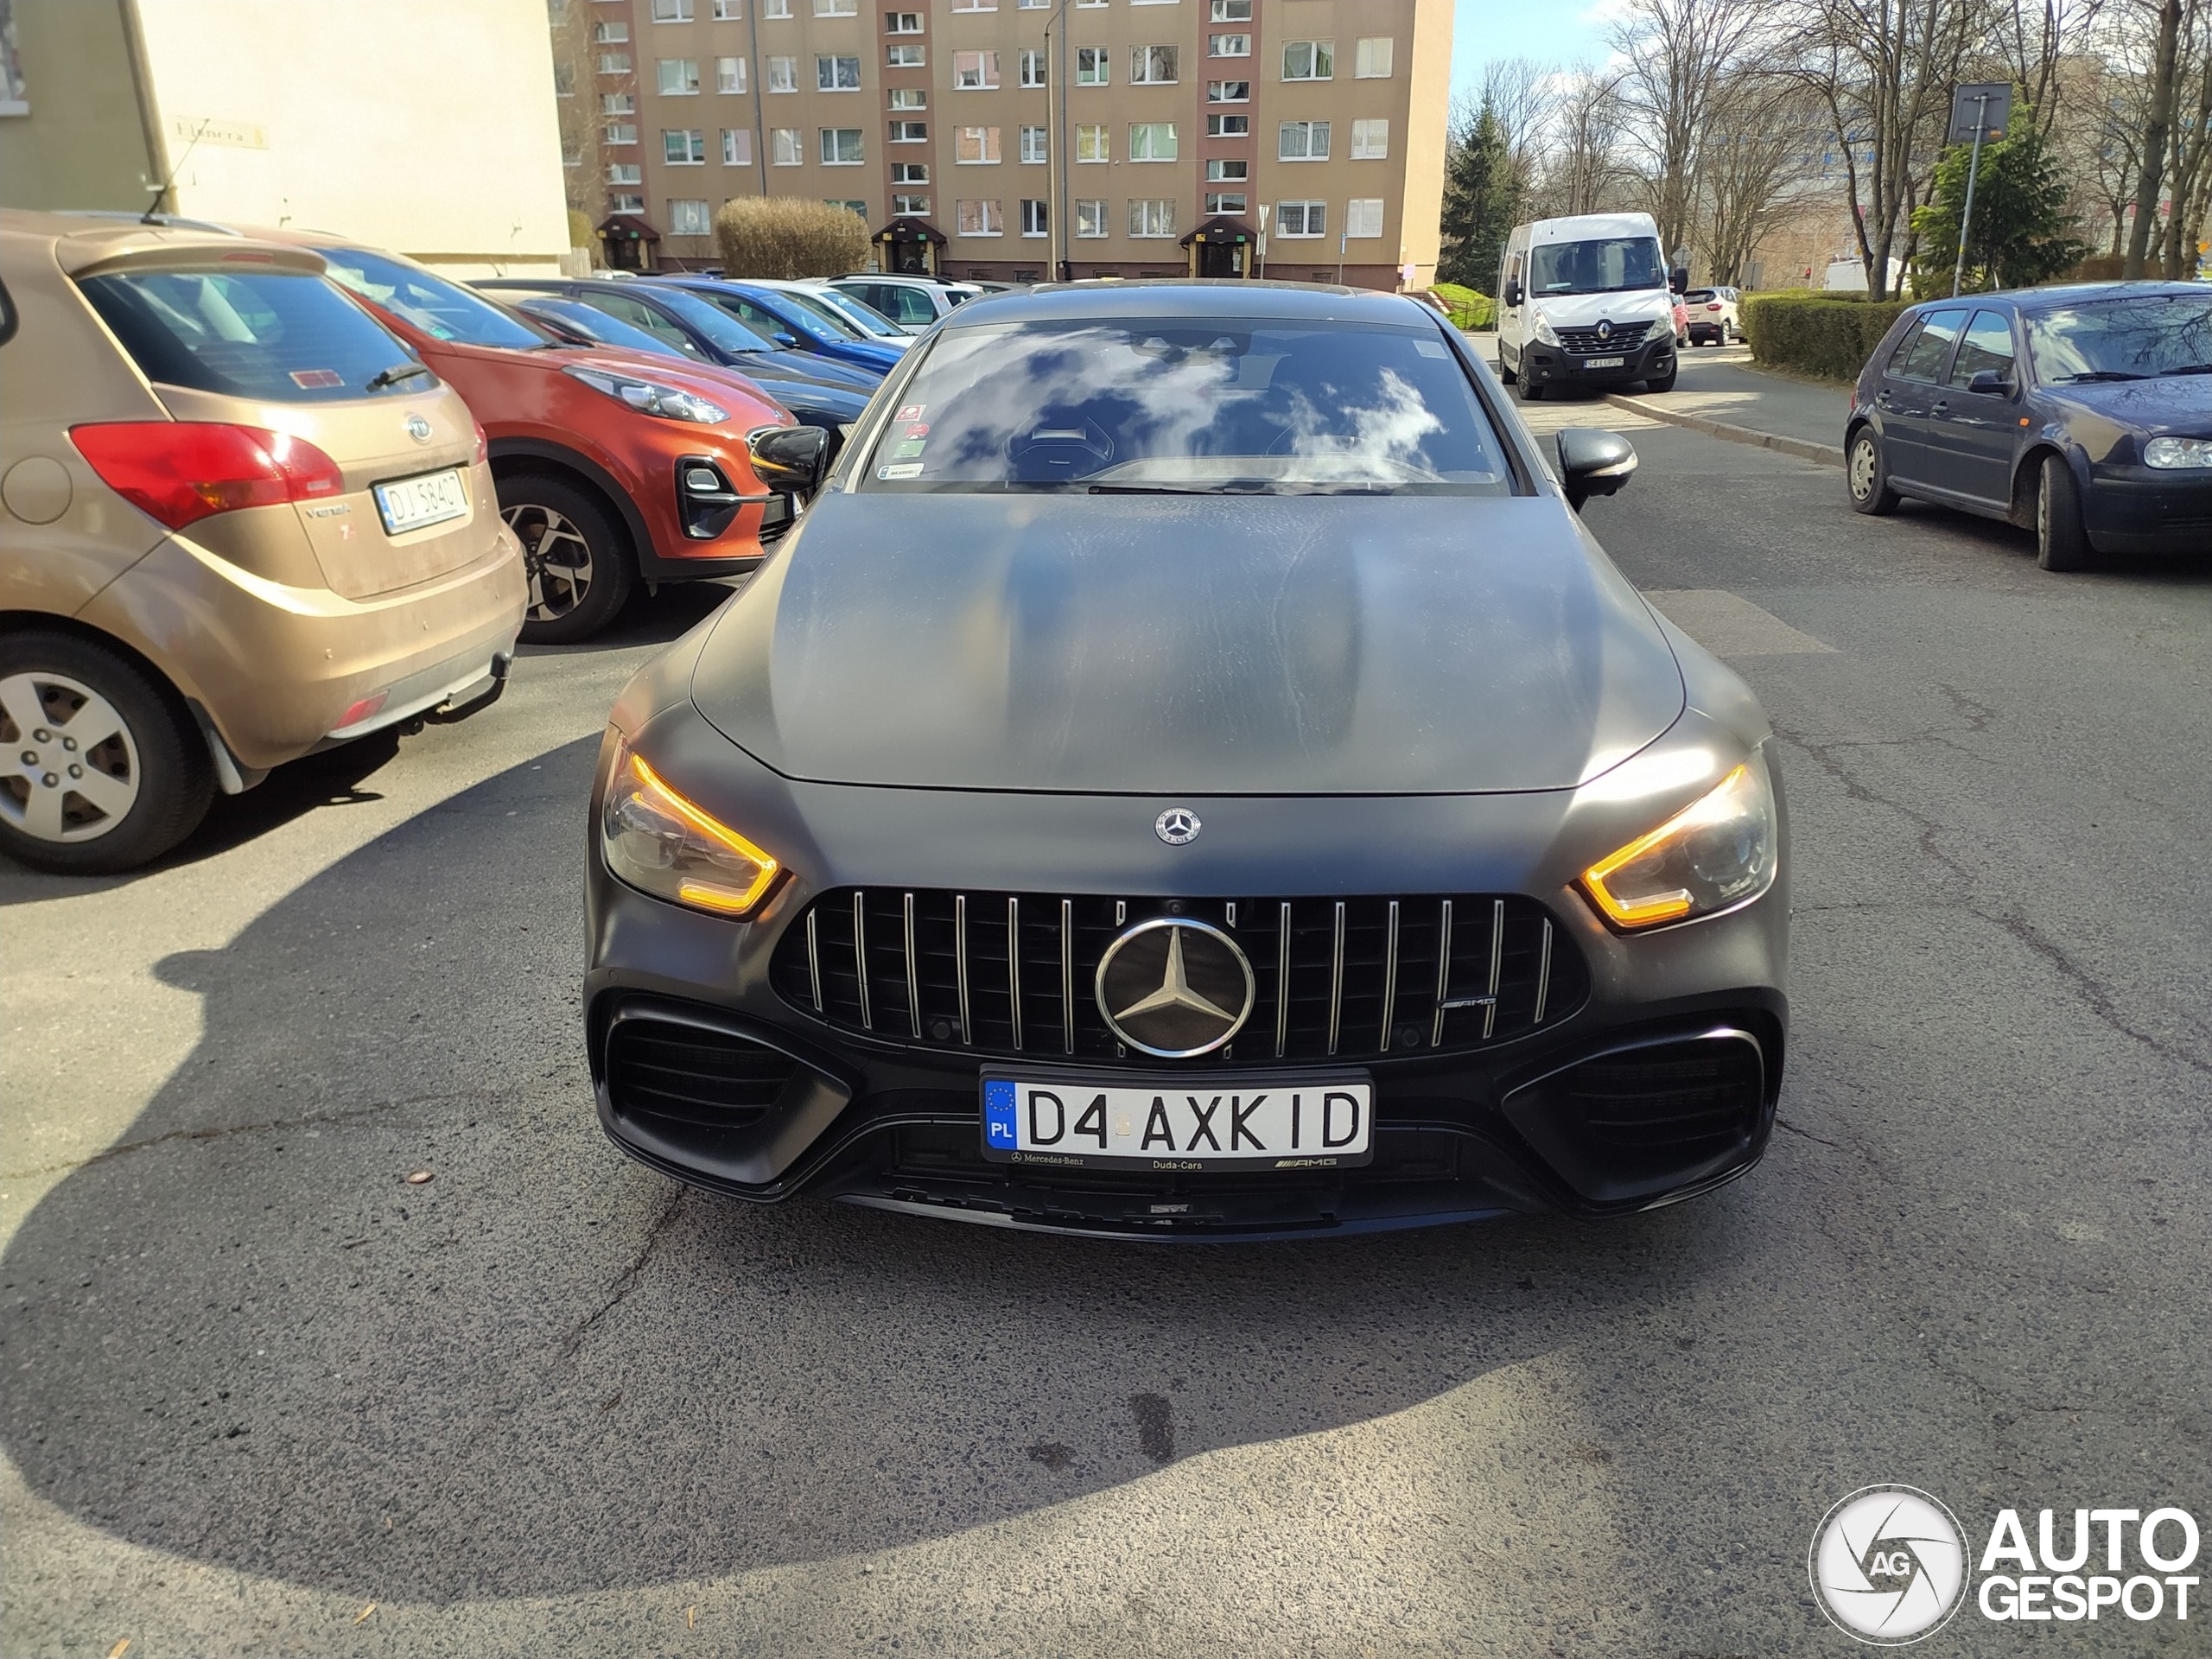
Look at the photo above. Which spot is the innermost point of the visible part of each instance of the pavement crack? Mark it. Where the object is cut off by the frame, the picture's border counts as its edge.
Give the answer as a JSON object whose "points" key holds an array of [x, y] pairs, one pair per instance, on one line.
{"points": [[224, 1132], [2091, 991], [626, 1280], [1785, 1123]]}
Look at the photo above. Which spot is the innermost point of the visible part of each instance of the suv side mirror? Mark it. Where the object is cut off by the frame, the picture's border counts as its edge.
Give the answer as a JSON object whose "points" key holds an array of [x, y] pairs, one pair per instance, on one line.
{"points": [[793, 458], [1592, 461], [1513, 295], [1679, 279], [1990, 383]]}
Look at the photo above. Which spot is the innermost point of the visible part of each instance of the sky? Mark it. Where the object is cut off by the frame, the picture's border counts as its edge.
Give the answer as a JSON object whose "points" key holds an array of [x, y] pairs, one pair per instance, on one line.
{"points": [[1551, 31]]}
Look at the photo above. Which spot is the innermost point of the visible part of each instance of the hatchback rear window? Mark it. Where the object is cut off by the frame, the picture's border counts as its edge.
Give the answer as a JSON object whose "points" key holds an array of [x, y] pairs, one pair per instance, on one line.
{"points": [[1698, 296], [277, 336]]}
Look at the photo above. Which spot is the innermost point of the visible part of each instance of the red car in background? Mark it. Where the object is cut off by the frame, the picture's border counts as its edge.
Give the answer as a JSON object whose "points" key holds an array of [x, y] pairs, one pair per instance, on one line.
{"points": [[612, 468]]}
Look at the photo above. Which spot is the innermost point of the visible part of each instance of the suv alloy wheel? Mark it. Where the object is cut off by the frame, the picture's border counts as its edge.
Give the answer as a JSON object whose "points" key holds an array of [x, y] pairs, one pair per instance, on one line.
{"points": [[578, 562]]}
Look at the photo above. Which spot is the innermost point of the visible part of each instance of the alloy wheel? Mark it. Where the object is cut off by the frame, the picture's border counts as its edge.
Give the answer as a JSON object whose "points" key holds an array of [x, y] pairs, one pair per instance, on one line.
{"points": [[555, 558], [71, 768]]}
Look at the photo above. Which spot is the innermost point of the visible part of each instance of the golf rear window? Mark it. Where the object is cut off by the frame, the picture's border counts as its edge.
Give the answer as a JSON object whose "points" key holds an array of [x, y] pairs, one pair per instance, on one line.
{"points": [[276, 336]]}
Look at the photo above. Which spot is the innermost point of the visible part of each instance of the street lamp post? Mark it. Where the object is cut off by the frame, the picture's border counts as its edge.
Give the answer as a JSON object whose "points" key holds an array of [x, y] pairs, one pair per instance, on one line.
{"points": [[1055, 117]]}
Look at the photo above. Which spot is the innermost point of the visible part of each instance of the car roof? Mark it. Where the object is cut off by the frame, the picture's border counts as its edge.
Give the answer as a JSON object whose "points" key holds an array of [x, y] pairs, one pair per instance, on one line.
{"points": [[1229, 298], [81, 241], [2031, 299]]}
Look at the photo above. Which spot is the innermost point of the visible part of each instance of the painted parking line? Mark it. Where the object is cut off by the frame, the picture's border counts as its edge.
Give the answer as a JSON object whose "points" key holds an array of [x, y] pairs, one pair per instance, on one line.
{"points": [[1728, 625]]}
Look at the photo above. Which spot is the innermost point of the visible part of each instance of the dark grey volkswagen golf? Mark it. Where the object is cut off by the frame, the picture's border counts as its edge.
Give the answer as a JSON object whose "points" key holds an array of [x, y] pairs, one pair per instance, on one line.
{"points": [[1191, 774]]}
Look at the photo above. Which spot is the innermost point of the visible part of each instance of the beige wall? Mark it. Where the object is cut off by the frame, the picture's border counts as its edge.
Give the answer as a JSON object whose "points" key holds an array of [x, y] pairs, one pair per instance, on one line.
{"points": [[79, 142], [426, 126]]}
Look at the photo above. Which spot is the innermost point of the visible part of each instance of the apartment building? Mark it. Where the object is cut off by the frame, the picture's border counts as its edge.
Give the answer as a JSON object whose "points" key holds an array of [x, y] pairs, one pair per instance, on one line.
{"points": [[1009, 139]]}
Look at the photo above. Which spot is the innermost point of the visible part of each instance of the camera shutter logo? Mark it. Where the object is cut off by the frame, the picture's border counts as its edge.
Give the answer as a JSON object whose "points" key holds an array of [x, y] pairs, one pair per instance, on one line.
{"points": [[1889, 1564]]}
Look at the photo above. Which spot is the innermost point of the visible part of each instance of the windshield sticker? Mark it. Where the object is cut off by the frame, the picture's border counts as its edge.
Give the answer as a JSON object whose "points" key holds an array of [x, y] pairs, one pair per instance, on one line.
{"points": [[911, 412], [904, 469], [911, 448], [919, 429], [1432, 348], [315, 379]]}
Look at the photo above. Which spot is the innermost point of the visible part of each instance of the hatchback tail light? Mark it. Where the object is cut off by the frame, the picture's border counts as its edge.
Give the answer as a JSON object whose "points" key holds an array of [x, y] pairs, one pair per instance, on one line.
{"points": [[483, 446], [183, 471]]}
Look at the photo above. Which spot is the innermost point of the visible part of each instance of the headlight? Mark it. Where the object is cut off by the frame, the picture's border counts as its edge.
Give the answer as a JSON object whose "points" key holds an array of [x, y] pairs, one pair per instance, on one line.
{"points": [[1543, 328], [2177, 452], [669, 402], [1717, 852], [658, 842]]}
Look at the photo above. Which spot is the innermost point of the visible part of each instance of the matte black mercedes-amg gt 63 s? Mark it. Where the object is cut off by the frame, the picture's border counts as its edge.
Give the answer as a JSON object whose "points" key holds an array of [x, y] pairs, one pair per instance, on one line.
{"points": [[1190, 774]]}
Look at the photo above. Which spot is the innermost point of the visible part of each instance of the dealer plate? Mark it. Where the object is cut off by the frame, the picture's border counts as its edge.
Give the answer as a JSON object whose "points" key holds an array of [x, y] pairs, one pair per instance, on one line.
{"points": [[1604, 362], [430, 498], [1179, 1123]]}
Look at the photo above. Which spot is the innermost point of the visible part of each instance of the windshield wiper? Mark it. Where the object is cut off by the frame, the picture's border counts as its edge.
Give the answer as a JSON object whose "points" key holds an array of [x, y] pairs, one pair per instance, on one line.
{"points": [[395, 374], [1226, 486], [2106, 374], [2190, 368]]}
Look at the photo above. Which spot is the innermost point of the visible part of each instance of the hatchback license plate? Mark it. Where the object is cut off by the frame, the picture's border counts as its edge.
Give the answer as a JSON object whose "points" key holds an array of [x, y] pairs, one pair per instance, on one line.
{"points": [[1603, 362], [408, 503], [1181, 1124]]}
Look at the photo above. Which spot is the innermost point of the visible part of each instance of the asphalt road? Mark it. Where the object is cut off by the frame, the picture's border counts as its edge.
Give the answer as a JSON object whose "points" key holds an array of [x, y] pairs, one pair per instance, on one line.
{"points": [[256, 1384]]}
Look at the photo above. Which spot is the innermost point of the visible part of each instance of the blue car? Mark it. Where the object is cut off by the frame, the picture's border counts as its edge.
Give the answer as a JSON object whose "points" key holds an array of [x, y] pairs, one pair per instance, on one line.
{"points": [[783, 319], [2082, 412]]}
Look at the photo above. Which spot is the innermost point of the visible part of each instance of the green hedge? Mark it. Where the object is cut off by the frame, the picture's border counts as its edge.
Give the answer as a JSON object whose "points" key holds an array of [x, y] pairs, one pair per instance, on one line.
{"points": [[1466, 308], [1827, 335]]}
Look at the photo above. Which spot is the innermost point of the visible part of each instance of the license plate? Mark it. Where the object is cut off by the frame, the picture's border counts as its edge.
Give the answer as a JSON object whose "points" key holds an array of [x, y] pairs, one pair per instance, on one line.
{"points": [[1603, 362], [411, 503], [1182, 1123]]}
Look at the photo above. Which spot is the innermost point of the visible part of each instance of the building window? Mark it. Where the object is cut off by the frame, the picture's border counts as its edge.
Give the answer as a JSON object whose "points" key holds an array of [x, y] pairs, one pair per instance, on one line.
{"points": [[1309, 59], [1225, 202], [1218, 172], [625, 201], [729, 74], [618, 103], [1090, 63], [689, 217], [729, 11], [783, 74], [1034, 145], [1301, 219], [977, 146], [917, 206], [905, 57], [1152, 216], [1371, 60], [786, 148], [1152, 141], [1033, 67], [857, 209], [836, 8], [671, 11], [1091, 143], [1032, 5], [737, 147], [835, 74], [1152, 66], [1370, 141], [1228, 92], [1363, 216], [902, 22], [982, 218], [1229, 46], [841, 146], [1232, 11], [775, 8], [682, 146], [910, 98], [1229, 126], [621, 132], [679, 77], [910, 172], [1034, 219], [610, 34], [625, 173], [910, 132], [976, 5], [1302, 141], [614, 63], [1091, 217], [975, 72]]}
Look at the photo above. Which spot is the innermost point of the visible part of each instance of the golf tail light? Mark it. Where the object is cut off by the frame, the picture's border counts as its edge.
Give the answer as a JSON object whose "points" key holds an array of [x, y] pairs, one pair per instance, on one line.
{"points": [[1716, 852], [659, 842]]}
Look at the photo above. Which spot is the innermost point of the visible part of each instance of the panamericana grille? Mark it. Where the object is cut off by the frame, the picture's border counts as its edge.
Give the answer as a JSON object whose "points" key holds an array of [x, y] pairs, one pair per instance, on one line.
{"points": [[1584, 342], [1014, 973]]}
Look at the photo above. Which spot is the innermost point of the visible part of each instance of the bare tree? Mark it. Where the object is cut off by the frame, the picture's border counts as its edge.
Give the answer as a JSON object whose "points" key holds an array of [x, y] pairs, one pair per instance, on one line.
{"points": [[1675, 55], [2035, 38], [1583, 169], [2158, 124], [1756, 163]]}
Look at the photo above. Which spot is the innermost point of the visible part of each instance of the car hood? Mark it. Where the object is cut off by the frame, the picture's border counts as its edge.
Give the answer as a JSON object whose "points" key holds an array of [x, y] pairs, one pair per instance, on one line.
{"points": [[807, 367], [1190, 646], [2179, 404], [1583, 310]]}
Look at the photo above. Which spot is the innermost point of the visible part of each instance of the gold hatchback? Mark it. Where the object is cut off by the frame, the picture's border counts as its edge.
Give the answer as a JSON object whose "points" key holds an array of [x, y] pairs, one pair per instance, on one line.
{"points": [[239, 522]]}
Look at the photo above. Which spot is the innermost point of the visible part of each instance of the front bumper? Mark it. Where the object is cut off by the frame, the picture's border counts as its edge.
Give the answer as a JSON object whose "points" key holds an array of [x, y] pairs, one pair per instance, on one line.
{"points": [[1548, 365], [2145, 510]]}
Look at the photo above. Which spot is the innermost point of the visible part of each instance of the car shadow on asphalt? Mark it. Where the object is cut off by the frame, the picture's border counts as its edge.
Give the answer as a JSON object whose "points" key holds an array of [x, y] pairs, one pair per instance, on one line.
{"points": [[242, 1337]]}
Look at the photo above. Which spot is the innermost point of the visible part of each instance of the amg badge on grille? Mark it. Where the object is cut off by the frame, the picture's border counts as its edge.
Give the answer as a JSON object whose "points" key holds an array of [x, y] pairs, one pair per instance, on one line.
{"points": [[1175, 988]]}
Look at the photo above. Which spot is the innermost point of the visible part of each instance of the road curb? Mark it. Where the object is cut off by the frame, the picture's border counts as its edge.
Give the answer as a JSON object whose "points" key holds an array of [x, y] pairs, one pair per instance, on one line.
{"points": [[1828, 455]]}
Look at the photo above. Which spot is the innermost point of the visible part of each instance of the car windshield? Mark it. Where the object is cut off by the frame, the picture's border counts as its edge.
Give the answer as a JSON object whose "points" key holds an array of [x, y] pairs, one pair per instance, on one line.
{"points": [[597, 326], [2137, 338], [276, 336], [865, 318], [442, 309], [835, 321], [710, 319], [1606, 266], [1185, 405]]}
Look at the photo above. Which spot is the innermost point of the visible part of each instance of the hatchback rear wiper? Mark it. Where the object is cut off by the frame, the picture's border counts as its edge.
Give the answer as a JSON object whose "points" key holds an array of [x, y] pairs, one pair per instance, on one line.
{"points": [[2104, 374], [394, 375]]}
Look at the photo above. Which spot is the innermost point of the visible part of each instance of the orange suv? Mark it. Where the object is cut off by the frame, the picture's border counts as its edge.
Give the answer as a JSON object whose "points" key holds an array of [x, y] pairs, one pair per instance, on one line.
{"points": [[239, 522]]}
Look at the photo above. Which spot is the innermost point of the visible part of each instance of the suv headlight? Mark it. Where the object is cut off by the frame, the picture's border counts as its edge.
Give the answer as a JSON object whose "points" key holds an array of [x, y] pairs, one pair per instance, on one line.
{"points": [[1544, 331], [1716, 853], [673, 848], [650, 397], [2165, 453]]}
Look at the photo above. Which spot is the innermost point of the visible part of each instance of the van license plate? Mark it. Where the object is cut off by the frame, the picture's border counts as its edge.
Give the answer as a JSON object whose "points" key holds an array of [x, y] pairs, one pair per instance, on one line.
{"points": [[1604, 362], [412, 502]]}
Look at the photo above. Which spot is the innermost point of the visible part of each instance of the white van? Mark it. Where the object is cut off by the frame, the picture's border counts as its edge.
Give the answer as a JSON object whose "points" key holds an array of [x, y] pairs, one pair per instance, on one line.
{"points": [[1589, 302]]}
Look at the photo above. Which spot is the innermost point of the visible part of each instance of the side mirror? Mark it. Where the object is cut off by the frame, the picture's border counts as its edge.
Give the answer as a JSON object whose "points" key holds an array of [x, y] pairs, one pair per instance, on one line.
{"points": [[1990, 383], [1592, 461], [1679, 279], [793, 458], [1513, 295], [784, 338]]}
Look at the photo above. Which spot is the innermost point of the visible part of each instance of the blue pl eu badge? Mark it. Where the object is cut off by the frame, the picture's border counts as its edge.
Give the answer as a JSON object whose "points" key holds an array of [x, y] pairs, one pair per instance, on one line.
{"points": [[998, 1114]]}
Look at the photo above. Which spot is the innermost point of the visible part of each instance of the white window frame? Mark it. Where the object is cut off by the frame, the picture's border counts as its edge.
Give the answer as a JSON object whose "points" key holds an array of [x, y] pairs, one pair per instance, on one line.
{"points": [[782, 76], [1370, 138], [1307, 211], [909, 132], [836, 8], [1308, 132], [786, 147], [1229, 46], [1320, 60], [671, 11], [1228, 92], [737, 146], [1142, 61], [775, 8], [612, 33], [905, 57], [1217, 171], [835, 63], [1220, 202], [625, 203], [1372, 55], [1037, 223], [989, 150], [1147, 225], [705, 216], [909, 98], [729, 11], [1030, 67], [729, 74], [626, 172], [1232, 11], [902, 22], [1091, 217], [1229, 126], [1036, 145], [910, 172], [614, 63], [1098, 71], [1364, 218], [1142, 150], [975, 71], [618, 103], [991, 216], [687, 70], [1100, 136], [903, 206], [832, 139], [692, 140]]}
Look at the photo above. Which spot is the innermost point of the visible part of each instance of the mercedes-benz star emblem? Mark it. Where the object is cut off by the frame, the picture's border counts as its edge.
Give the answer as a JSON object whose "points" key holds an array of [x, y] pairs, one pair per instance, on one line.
{"points": [[418, 429], [1178, 826], [1604, 327], [1174, 988]]}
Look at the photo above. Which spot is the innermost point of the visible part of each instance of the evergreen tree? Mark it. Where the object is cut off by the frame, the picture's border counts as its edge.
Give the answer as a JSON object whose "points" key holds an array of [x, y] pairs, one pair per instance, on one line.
{"points": [[2022, 232], [1482, 199]]}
